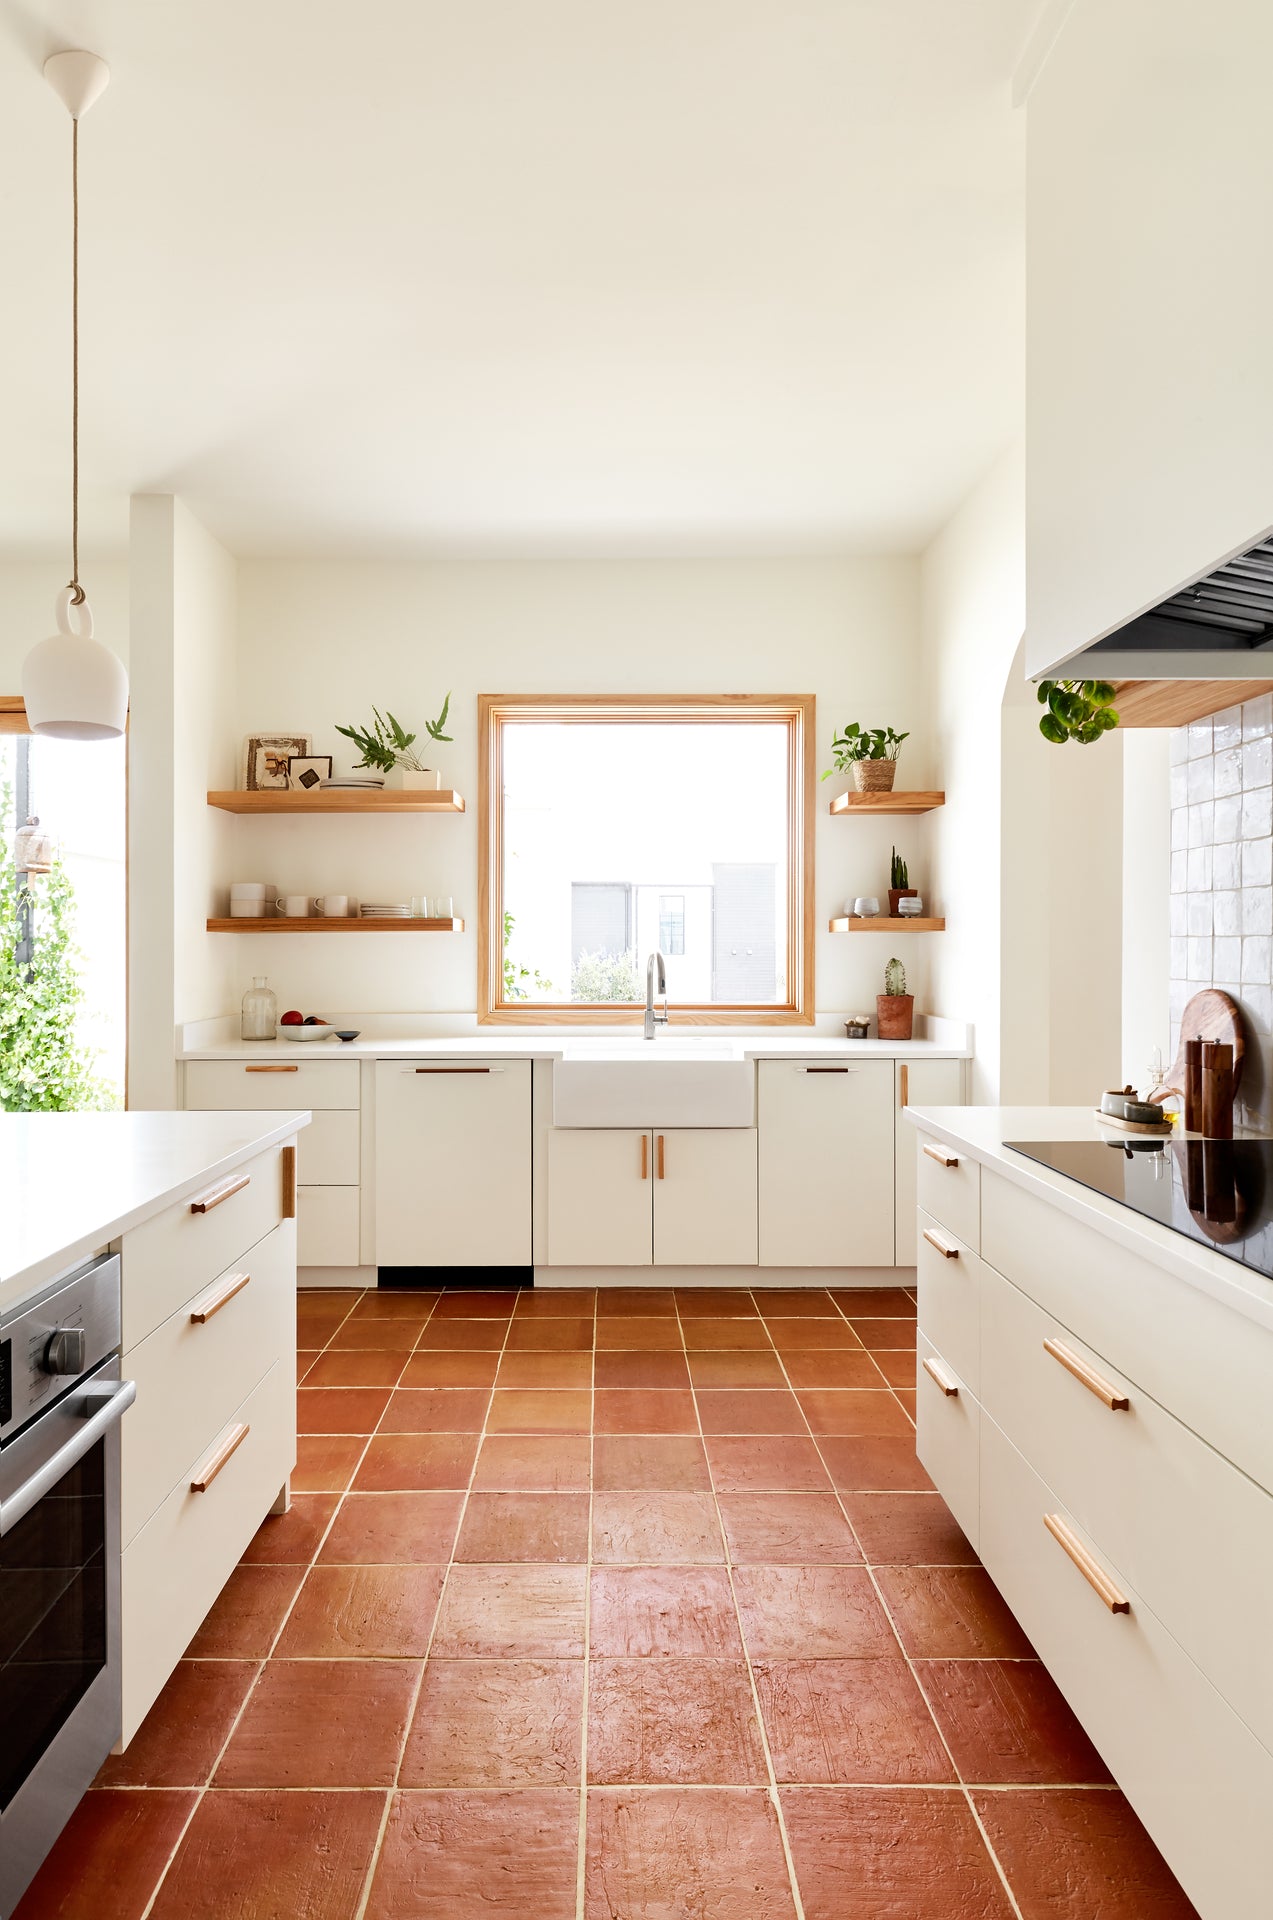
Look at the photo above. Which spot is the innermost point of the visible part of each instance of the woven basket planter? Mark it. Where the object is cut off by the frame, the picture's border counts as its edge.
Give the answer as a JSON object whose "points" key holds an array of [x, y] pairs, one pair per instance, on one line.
{"points": [[874, 776]]}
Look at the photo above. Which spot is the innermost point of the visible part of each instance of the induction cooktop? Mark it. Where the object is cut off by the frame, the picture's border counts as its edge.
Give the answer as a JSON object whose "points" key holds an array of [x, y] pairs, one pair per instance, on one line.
{"points": [[1217, 1192]]}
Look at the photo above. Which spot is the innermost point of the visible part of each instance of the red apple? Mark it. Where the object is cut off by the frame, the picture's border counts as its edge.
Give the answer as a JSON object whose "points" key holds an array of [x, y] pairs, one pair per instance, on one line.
{"points": [[292, 1019]]}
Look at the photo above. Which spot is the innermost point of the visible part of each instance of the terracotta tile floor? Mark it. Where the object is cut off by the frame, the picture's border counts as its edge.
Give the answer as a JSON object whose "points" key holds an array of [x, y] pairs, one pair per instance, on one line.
{"points": [[681, 1629]]}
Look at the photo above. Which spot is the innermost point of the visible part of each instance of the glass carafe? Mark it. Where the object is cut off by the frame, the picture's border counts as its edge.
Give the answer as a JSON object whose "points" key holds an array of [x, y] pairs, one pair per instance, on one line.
{"points": [[260, 1011]]}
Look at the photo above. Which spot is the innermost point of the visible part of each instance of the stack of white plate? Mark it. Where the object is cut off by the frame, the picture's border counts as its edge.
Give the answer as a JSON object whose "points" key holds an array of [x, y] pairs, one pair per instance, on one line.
{"points": [[352, 780], [370, 911]]}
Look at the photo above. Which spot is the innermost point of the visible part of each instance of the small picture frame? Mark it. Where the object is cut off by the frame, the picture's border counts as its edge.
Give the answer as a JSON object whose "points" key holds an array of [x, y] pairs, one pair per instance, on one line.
{"points": [[306, 772], [267, 757]]}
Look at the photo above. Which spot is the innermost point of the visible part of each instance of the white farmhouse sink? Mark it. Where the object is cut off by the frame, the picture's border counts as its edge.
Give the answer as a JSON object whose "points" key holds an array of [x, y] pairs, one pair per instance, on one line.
{"points": [[678, 1080]]}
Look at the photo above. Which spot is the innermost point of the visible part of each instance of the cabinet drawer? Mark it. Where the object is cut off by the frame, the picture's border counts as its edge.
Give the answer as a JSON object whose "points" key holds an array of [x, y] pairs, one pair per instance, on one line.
{"points": [[327, 1221], [948, 1184], [329, 1149], [947, 1435], [1198, 1777], [948, 1274], [168, 1259], [1191, 1533], [176, 1566], [191, 1374], [272, 1083]]}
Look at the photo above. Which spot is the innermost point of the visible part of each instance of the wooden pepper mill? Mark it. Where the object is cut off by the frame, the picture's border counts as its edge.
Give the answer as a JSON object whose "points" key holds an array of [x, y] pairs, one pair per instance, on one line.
{"points": [[1217, 1090], [1193, 1086]]}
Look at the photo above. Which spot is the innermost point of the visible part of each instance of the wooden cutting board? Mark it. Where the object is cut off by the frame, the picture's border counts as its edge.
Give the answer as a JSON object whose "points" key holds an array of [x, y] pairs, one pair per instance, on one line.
{"points": [[1210, 1015]]}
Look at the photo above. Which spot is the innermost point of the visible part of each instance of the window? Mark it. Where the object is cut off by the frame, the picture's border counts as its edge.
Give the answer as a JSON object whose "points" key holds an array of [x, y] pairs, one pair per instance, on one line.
{"points": [[610, 827]]}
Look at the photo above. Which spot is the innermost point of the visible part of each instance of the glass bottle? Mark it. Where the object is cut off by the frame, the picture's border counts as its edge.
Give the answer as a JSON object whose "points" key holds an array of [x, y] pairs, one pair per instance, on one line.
{"points": [[260, 1011]]}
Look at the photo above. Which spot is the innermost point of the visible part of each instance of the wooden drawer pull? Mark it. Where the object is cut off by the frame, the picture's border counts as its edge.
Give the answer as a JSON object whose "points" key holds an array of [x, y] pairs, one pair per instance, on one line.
{"points": [[645, 1156], [206, 1472], [287, 1168], [208, 1201], [903, 1086], [294, 1068], [216, 1298], [935, 1371], [660, 1157], [1095, 1382], [941, 1155], [946, 1248], [1095, 1575]]}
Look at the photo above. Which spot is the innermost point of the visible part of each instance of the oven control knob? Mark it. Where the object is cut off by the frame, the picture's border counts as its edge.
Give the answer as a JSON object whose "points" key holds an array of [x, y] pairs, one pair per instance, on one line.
{"points": [[66, 1350]]}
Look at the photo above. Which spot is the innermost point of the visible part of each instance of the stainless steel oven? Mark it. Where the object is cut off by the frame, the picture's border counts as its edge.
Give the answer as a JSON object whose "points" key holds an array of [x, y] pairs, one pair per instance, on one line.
{"points": [[61, 1399]]}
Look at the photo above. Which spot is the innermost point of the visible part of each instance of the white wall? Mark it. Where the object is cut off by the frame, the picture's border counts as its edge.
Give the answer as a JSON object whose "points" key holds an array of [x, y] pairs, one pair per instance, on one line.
{"points": [[1149, 277]]}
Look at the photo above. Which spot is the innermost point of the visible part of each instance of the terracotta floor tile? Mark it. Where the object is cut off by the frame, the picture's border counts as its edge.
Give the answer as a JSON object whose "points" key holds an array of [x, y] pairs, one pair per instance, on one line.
{"points": [[672, 1722], [812, 1613], [305, 1358], [673, 1463], [907, 1398], [356, 1367], [316, 1329], [529, 1412], [842, 1367], [393, 1529], [385, 1336], [795, 1529], [396, 1303], [914, 1529], [715, 1303], [670, 1854], [247, 1614], [497, 1723], [874, 1464], [404, 1462], [436, 1410], [292, 1538], [889, 1853], [477, 1303], [872, 1301], [463, 1336], [548, 1463], [322, 1723], [383, 1613], [662, 1529], [820, 1336], [898, 1368], [503, 1854], [556, 1303], [730, 1369], [539, 1333], [1069, 1856], [339, 1409], [653, 1302], [425, 1369], [644, 1410], [951, 1613], [1007, 1724], [559, 1370], [178, 1742], [282, 1853], [788, 1302], [769, 1463], [649, 1335], [634, 1368], [325, 1463], [642, 1611], [108, 1858], [527, 1612], [836, 1411], [548, 1527], [747, 1410], [710, 1335], [841, 1721], [886, 1333]]}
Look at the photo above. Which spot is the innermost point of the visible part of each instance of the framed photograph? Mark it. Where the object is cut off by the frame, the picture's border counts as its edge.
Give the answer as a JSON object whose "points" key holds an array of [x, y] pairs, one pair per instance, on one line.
{"points": [[266, 759], [305, 771]]}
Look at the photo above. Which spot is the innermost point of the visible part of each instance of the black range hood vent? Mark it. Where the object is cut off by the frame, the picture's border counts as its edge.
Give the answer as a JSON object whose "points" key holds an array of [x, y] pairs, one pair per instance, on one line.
{"points": [[1228, 611]]}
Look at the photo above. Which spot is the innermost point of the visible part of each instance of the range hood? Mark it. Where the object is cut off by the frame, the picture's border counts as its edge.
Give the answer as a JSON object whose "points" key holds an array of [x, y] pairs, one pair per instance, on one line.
{"points": [[1219, 626]]}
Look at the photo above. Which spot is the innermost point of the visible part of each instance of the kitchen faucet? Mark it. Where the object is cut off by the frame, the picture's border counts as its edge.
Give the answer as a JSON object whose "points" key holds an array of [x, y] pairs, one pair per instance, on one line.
{"points": [[655, 971]]}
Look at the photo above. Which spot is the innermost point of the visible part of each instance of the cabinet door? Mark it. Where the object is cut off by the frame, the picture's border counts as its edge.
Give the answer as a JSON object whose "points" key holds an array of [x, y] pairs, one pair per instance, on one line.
{"points": [[705, 1197], [452, 1172], [599, 1188], [920, 1083], [826, 1164]]}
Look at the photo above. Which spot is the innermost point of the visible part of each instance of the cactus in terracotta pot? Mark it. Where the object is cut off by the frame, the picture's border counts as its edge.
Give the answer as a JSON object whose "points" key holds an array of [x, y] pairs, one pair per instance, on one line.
{"points": [[895, 1008], [899, 884]]}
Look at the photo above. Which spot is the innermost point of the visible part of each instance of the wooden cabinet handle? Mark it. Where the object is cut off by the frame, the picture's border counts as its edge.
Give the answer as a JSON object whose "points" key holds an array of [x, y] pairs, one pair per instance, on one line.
{"points": [[936, 1372], [207, 1201], [941, 1155], [287, 1167], [207, 1470], [294, 1068], [1095, 1575], [1105, 1390], [903, 1085], [216, 1298], [946, 1248], [658, 1148], [645, 1156]]}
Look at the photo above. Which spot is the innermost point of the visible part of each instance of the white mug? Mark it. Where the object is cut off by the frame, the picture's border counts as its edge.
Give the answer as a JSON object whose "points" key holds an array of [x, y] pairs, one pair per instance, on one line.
{"points": [[293, 906], [332, 906], [249, 889]]}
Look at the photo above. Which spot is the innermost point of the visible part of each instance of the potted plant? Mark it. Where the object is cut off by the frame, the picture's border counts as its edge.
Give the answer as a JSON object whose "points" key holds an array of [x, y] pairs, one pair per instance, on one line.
{"points": [[895, 1008], [387, 746], [900, 887], [871, 752], [1081, 710]]}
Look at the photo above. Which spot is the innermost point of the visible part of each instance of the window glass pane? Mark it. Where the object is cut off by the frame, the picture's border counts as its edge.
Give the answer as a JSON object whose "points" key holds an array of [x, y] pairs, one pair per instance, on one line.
{"points": [[620, 837]]}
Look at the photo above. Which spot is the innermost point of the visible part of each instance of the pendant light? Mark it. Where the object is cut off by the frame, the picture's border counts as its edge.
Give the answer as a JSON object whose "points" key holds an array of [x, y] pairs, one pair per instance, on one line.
{"points": [[74, 687]]}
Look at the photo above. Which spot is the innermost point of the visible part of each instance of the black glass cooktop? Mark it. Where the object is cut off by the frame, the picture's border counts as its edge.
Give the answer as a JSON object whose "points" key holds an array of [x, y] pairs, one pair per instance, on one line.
{"points": [[1218, 1192]]}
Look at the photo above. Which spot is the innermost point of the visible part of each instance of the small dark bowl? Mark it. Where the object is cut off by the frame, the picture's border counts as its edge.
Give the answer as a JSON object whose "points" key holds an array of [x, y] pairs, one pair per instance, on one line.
{"points": [[348, 1033]]}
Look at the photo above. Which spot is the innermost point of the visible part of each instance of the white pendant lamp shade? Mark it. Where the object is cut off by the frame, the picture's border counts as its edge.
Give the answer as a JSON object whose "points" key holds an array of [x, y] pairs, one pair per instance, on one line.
{"points": [[72, 686]]}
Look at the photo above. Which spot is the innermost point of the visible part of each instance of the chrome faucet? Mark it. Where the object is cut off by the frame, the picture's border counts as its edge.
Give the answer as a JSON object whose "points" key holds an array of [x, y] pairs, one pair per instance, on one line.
{"points": [[655, 982]]}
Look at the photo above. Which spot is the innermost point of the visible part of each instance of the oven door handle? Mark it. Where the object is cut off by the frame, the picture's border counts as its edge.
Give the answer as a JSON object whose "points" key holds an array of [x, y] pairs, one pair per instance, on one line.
{"points": [[103, 1406]]}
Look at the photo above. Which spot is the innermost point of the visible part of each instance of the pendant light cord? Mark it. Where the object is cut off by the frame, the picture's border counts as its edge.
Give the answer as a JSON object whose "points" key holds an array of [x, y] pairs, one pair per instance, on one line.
{"points": [[77, 591]]}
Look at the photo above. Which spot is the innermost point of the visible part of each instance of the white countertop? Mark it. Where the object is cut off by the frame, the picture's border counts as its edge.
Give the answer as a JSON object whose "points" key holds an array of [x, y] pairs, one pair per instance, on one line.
{"points": [[513, 1044], [982, 1132], [72, 1182]]}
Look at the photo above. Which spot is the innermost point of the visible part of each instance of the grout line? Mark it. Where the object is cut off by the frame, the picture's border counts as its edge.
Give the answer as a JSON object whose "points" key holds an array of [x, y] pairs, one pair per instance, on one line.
{"points": [[581, 1864]]}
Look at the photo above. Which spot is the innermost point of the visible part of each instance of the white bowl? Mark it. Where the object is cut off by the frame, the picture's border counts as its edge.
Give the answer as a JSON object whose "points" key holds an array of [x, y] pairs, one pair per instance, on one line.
{"points": [[323, 1031]]}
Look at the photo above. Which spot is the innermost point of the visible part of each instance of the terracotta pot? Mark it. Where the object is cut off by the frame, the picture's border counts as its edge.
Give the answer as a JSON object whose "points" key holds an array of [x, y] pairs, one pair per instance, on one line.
{"points": [[895, 1015], [874, 776], [899, 893]]}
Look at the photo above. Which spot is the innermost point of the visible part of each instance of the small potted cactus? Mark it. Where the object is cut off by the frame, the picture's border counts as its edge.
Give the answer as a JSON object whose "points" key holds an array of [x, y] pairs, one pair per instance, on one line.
{"points": [[899, 887], [895, 1008]]}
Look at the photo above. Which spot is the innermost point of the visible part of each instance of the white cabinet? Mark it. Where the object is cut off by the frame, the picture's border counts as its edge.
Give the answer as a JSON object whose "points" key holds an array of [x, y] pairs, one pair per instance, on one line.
{"points": [[452, 1172], [705, 1197], [680, 1197], [920, 1083], [826, 1164]]}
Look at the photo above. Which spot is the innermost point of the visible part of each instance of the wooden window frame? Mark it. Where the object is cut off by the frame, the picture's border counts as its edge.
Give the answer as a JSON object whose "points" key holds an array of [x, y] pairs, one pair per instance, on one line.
{"points": [[797, 712]]}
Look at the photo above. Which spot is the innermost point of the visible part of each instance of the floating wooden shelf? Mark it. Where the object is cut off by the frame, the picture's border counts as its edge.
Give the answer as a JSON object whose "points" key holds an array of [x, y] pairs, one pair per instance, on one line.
{"points": [[887, 802], [340, 800], [350, 924], [887, 923], [1174, 703]]}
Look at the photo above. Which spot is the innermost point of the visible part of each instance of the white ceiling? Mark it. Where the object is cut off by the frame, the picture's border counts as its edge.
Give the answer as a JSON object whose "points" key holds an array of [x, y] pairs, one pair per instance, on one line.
{"points": [[517, 276]]}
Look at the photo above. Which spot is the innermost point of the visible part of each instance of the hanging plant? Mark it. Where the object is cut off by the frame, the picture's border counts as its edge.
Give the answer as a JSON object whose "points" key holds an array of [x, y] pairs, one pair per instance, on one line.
{"points": [[1079, 710]]}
